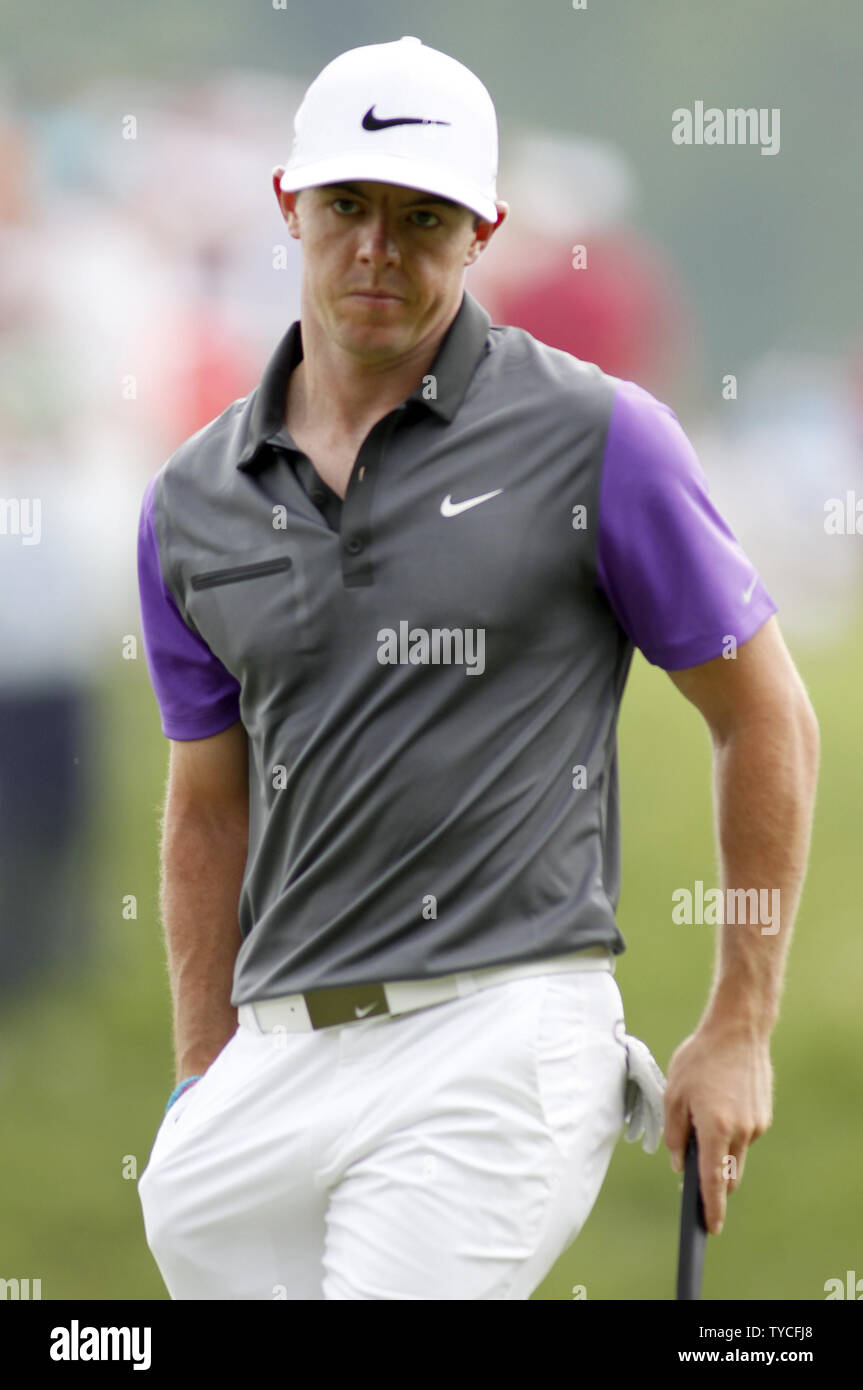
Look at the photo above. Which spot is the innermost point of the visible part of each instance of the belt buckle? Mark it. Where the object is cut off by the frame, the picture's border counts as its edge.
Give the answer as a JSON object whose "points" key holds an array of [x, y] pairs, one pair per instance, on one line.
{"points": [[345, 1004]]}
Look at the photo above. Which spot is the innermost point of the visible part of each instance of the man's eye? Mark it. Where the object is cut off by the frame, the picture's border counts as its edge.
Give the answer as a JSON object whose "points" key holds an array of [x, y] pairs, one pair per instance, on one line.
{"points": [[346, 206]]}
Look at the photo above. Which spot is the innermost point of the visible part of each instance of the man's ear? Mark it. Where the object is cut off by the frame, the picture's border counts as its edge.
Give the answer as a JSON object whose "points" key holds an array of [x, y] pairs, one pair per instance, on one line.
{"points": [[287, 202], [484, 231]]}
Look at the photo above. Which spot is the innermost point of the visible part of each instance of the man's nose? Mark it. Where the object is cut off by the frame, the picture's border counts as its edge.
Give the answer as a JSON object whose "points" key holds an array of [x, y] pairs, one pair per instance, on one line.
{"points": [[377, 239]]}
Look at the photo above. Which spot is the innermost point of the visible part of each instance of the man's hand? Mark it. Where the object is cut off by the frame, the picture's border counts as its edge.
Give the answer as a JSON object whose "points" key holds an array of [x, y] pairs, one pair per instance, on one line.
{"points": [[720, 1080]]}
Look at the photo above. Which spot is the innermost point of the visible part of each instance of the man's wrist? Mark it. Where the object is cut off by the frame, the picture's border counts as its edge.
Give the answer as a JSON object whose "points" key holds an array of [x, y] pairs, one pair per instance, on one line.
{"points": [[180, 1088], [731, 1014], [196, 1048]]}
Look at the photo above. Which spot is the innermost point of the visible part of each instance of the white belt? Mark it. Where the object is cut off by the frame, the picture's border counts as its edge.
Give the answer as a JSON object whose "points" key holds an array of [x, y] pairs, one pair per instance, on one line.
{"points": [[291, 1012]]}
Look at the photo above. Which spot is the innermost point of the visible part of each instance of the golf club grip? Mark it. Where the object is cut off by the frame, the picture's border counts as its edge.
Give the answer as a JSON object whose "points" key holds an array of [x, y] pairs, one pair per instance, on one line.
{"points": [[693, 1229]]}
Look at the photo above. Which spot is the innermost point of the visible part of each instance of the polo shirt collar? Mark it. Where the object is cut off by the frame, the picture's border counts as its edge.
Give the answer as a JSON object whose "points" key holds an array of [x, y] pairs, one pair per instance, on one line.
{"points": [[457, 359]]}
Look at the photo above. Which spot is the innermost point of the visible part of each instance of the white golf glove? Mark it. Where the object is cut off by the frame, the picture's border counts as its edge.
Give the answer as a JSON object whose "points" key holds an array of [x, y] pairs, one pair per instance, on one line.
{"points": [[645, 1092]]}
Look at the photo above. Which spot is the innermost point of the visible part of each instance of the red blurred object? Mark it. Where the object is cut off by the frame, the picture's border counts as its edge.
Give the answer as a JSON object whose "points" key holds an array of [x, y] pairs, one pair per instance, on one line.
{"points": [[220, 369], [623, 310]]}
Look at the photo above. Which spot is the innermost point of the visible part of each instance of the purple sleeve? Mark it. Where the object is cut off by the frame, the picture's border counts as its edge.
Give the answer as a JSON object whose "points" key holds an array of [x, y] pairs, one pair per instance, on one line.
{"points": [[675, 574], [197, 696]]}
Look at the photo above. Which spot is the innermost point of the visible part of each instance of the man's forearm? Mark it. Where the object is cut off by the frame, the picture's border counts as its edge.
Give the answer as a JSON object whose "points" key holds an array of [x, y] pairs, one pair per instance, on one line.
{"points": [[765, 778], [202, 872]]}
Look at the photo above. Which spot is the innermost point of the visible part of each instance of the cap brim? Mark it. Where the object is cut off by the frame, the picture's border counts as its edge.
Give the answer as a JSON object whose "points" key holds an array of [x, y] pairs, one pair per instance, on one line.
{"points": [[405, 172]]}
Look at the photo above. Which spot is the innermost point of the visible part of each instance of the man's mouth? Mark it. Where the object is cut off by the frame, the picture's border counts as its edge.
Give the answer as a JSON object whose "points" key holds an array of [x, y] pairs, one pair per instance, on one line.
{"points": [[380, 295]]}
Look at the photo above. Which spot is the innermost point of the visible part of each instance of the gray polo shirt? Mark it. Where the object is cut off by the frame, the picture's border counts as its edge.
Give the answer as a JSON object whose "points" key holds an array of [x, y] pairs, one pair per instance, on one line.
{"points": [[430, 672]]}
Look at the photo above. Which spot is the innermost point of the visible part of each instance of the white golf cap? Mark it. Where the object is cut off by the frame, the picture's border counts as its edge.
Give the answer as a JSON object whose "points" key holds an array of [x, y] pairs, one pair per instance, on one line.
{"points": [[398, 113]]}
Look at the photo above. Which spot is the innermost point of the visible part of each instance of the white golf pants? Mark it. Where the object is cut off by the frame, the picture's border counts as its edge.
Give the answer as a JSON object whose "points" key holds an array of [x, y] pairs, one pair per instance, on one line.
{"points": [[453, 1152]]}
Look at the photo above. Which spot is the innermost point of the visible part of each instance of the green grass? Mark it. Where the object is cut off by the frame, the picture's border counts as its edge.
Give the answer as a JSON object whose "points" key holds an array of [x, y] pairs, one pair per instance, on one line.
{"points": [[86, 1064]]}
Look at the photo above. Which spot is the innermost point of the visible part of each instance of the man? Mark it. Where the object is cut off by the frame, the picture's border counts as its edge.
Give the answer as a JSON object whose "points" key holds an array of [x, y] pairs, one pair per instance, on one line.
{"points": [[390, 601]]}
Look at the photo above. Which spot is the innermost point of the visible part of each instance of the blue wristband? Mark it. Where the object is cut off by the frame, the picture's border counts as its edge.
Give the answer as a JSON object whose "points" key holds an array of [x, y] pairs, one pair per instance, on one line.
{"points": [[178, 1090]]}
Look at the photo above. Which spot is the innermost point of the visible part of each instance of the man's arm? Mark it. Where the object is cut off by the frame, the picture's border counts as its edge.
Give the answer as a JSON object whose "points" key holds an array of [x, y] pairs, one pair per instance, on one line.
{"points": [[204, 846], [766, 752]]}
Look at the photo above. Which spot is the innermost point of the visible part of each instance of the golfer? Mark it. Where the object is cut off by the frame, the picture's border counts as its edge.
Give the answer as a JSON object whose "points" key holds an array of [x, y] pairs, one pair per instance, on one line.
{"points": [[390, 600]]}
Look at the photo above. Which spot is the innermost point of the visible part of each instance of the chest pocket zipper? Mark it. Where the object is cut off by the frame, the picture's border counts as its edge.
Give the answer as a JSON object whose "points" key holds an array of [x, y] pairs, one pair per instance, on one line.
{"points": [[238, 572]]}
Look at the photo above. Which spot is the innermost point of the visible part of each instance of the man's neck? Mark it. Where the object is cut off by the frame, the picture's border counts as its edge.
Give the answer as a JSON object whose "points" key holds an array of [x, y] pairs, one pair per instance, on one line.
{"points": [[331, 394]]}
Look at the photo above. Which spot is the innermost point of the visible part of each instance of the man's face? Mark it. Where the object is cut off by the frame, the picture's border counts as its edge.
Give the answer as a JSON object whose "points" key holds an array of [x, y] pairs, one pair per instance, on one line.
{"points": [[404, 246]]}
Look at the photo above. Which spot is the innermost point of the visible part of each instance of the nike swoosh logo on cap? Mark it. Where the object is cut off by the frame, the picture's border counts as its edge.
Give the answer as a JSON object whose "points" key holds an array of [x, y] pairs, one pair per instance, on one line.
{"points": [[373, 122], [450, 508], [361, 1012]]}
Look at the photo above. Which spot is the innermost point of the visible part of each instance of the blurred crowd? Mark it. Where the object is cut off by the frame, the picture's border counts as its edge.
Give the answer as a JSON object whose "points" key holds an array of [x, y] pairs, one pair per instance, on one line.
{"points": [[145, 278]]}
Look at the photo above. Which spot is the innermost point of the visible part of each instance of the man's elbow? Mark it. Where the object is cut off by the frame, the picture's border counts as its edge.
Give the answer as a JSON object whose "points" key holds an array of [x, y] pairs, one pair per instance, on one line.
{"points": [[796, 725], [786, 718]]}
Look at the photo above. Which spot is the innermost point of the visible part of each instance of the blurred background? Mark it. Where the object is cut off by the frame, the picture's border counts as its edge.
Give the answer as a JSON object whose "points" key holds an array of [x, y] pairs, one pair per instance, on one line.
{"points": [[145, 278]]}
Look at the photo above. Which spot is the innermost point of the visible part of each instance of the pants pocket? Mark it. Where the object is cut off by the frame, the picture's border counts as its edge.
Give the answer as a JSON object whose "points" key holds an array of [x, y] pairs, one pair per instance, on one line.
{"points": [[580, 1060]]}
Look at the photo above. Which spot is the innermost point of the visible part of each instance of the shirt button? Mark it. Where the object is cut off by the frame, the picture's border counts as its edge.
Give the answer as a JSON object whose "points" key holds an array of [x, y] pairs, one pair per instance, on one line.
{"points": [[318, 497], [354, 545]]}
